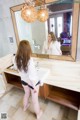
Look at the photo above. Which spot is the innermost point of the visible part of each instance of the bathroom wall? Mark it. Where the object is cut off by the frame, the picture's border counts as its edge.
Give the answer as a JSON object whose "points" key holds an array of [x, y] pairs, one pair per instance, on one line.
{"points": [[3, 47], [6, 28]]}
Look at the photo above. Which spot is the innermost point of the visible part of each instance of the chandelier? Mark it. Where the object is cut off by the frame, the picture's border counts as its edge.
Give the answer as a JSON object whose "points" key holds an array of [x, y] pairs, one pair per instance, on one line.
{"points": [[30, 14]]}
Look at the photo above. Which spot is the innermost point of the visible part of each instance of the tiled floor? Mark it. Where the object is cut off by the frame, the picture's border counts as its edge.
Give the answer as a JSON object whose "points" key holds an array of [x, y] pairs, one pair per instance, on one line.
{"points": [[11, 103]]}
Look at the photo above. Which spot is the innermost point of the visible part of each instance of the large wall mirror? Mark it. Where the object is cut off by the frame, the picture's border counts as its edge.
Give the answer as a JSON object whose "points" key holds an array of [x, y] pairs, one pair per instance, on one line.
{"points": [[62, 25]]}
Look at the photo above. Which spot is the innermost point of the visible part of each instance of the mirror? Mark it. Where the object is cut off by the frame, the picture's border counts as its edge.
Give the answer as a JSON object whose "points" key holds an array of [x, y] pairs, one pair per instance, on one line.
{"points": [[63, 22]]}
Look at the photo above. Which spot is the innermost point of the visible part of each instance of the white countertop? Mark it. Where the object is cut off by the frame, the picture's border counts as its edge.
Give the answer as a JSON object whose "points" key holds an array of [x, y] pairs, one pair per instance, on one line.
{"points": [[63, 74]]}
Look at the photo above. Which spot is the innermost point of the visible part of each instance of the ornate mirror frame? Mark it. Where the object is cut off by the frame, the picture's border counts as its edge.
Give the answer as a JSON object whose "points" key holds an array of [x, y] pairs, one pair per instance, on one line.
{"points": [[75, 22]]}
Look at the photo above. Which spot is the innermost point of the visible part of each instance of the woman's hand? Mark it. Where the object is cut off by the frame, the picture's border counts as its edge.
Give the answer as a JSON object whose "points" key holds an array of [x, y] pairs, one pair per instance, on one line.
{"points": [[35, 91]]}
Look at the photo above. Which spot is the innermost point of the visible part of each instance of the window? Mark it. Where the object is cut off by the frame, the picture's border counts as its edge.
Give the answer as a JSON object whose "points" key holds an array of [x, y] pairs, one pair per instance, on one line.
{"points": [[56, 24], [52, 25]]}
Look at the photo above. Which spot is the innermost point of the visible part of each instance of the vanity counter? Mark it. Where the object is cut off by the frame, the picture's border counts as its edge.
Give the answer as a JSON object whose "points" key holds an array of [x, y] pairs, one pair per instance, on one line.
{"points": [[64, 74]]}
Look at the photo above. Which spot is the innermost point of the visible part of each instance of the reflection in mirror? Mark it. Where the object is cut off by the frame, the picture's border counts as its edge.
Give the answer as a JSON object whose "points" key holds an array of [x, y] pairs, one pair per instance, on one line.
{"points": [[39, 34], [60, 22]]}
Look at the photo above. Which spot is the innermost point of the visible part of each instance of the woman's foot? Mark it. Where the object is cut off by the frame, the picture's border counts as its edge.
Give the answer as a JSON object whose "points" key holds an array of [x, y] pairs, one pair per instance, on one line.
{"points": [[26, 107], [39, 115]]}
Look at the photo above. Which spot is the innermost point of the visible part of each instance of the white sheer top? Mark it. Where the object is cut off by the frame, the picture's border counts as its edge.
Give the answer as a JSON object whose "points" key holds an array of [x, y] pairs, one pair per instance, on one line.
{"points": [[53, 49], [30, 76]]}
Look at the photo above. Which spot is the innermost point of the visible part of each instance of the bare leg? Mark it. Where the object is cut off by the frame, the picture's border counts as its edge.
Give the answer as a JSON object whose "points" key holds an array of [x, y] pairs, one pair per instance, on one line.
{"points": [[26, 97], [35, 102]]}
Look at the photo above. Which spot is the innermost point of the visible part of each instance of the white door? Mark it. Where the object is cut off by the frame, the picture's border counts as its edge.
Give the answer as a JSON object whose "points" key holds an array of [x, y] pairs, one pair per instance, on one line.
{"points": [[56, 24]]}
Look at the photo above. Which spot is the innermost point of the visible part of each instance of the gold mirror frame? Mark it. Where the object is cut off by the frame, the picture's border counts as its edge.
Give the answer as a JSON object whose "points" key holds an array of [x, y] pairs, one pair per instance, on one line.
{"points": [[75, 22]]}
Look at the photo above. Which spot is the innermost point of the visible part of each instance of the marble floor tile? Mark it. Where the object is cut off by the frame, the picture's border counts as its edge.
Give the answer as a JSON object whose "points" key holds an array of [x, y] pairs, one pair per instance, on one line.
{"points": [[66, 113], [11, 111], [31, 116], [61, 113], [4, 107], [6, 97], [20, 114], [12, 104], [43, 106], [69, 114], [52, 111], [9, 87], [72, 114]]}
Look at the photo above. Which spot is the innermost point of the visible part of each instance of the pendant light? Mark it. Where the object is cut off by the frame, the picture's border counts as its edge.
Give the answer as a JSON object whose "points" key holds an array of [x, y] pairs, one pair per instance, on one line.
{"points": [[28, 12], [43, 14]]}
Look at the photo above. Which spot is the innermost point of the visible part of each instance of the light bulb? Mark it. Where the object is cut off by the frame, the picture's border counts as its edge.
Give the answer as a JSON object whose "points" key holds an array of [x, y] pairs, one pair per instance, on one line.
{"points": [[43, 15], [28, 12]]}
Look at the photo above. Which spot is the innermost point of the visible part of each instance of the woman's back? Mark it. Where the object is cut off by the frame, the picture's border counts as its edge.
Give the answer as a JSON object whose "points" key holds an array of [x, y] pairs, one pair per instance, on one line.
{"points": [[31, 74]]}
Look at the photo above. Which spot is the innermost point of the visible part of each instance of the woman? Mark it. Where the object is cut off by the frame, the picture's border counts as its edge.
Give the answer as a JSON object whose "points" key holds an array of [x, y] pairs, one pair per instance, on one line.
{"points": [[29, 78], [52, 46]]}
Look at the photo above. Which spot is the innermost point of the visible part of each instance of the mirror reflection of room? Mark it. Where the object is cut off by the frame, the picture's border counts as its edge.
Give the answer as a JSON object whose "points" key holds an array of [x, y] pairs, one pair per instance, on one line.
{"points": [[60, 23], [38, 33]]}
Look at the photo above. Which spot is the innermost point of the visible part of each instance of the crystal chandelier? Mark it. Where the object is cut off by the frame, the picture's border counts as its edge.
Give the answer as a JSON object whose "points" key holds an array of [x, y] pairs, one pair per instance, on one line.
{"points": [[30, 14]]}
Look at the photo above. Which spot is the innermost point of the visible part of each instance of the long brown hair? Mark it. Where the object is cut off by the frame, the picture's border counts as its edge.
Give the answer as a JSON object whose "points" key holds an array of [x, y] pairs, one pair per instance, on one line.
{"points": [[23, 55], [53, 36]]}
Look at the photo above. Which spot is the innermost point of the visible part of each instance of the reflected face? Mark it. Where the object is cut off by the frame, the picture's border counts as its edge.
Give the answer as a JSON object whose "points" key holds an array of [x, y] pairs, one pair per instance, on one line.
{"points": [[49, 38]]}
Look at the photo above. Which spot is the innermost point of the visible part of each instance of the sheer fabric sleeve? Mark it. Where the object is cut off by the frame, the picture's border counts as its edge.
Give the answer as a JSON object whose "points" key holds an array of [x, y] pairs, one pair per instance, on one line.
{"points": [[32, 72]]}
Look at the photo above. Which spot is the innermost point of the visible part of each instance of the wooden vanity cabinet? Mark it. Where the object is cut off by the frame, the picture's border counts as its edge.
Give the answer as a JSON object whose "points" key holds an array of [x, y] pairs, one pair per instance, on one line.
{"points": [[62, 96], [13, 79], [41, 91], [16, 81]]}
